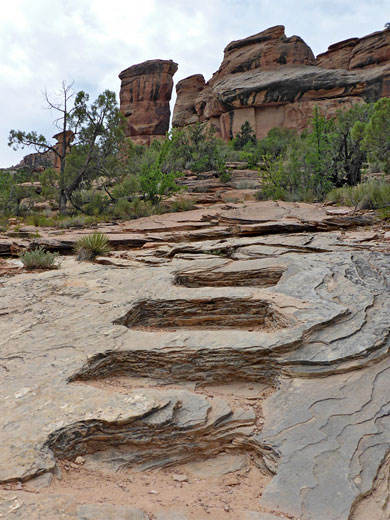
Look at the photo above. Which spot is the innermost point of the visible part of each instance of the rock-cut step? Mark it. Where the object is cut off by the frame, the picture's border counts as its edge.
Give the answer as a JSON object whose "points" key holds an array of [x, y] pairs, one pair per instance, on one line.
{"points": [[190, 427], [210, 313]]}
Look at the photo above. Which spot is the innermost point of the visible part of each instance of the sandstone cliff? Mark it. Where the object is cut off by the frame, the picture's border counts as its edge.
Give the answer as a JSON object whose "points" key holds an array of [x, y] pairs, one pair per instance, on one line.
{"points": [[357, 53], [145, 93], [272, 80]]}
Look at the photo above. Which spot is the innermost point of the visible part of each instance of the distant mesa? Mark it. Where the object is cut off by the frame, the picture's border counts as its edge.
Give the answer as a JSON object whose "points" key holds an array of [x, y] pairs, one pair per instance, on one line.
{"points": [[268, 79]]}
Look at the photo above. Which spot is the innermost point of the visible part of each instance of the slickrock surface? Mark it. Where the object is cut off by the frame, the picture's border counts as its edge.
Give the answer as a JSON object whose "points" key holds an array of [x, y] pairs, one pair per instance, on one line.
{"points": [[217, 221], [236, 367], [145, 93], [272, 80]]}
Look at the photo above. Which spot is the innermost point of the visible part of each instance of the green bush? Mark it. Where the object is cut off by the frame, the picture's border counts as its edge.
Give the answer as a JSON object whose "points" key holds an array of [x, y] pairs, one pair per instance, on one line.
{"points": [[182, 205], [91, 202], [77, 221], [128, 186], [384, 213], [39, 220], [369, 195], [39, 259], [134, 209], [3, 224], [90, 246]]}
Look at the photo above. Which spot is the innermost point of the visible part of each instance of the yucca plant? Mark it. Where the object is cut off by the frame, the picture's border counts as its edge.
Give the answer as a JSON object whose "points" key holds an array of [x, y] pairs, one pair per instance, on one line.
{"points": [[90, 246], [39, 259]]}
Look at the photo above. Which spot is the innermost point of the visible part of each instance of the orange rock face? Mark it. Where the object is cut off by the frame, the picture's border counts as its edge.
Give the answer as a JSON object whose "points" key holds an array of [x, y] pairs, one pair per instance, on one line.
{"points": [[187, 90], [358, 53], [145, 93], [271, 80], [266, 50]]}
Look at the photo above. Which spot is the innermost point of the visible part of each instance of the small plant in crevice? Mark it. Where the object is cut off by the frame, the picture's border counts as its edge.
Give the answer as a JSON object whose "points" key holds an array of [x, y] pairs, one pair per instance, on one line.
{"points": [[39, 259], [91, 246]]}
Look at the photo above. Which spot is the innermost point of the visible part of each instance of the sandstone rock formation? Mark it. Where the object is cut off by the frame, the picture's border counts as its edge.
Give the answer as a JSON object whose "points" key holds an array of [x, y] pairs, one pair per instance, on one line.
{"points": [[145, 93], [357, 53], [187, 90], [271, 80]]}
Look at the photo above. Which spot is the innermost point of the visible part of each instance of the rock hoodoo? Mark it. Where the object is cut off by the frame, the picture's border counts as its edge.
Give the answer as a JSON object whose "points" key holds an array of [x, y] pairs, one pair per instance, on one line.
{"points": [[145, 93], [272, 80]]}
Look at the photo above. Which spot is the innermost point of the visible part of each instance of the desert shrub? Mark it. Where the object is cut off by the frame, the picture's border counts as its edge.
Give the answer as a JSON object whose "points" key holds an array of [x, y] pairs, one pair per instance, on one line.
{"points": [[225, 174], [90, 202], [247, 184], [39, 220], [125, 189], [384, 213], [3, 224], [369, 195], [347, 153], [252, 158], [132, 210], [77, 221], [90, 246], [39, 259], [182, 205], [49, 180]]}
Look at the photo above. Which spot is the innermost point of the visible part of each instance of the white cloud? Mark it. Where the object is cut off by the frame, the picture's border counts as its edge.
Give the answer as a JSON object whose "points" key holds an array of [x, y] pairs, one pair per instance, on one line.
{"points": [[90, 41]]}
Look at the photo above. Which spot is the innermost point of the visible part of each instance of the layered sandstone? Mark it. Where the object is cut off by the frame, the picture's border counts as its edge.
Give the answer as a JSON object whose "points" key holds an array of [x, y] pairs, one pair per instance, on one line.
{"points": [[187, 91], [271, 80], [146, 90], [358, 53], [265, 50]]}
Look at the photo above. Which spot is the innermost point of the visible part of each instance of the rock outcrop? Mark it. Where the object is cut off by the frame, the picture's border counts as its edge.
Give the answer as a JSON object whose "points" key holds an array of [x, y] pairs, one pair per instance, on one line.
{"points": [[187, 91], [145, 93], [357, 53], [271, 80]]}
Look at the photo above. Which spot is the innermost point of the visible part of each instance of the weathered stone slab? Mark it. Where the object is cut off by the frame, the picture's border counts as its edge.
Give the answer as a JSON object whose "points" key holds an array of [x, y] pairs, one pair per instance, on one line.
{"points": [[109, 512], [332, 435]]}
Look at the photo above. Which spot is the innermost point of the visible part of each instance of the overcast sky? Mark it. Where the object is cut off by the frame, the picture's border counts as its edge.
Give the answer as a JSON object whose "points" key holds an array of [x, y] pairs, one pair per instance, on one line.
{"points": [[43, 42]]}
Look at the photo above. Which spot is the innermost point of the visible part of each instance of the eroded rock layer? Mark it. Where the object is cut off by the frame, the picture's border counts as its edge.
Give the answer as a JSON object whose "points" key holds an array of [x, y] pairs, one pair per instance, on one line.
{"points": [[358, 53], [274, 81]]}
